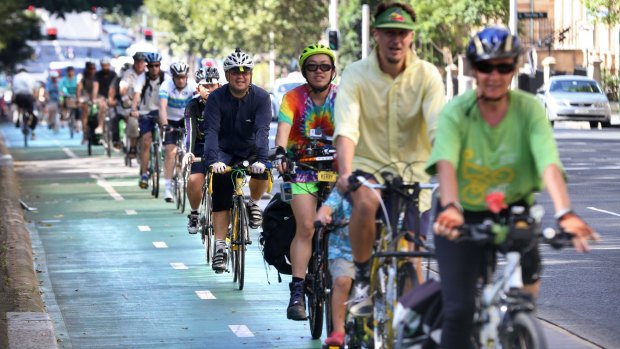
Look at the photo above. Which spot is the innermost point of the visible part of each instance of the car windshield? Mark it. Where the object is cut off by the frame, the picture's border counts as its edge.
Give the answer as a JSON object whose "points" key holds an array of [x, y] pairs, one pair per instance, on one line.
{"points": [[579, 86]]}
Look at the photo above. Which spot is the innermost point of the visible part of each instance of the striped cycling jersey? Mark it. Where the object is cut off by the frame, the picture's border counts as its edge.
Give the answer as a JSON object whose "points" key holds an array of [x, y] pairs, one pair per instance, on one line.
{"points": [[177, 99]]}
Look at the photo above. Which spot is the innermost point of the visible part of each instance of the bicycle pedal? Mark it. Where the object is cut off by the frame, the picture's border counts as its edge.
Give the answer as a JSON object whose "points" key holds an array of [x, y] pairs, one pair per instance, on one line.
{"points": [[248, 242]]}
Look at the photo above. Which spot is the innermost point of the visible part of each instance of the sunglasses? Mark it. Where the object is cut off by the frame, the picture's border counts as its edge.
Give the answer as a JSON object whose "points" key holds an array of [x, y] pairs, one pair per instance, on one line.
{"points": [[153, 65], [502, 68], [315, 67]]}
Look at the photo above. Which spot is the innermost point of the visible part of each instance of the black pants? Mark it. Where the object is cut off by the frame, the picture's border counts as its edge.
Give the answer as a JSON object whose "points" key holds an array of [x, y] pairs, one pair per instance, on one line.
{"points": [[25, 101]]}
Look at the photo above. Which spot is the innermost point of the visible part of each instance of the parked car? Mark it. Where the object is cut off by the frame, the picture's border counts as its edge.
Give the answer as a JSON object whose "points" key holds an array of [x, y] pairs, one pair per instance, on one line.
{"points": [[575, 98], [281, 87]]}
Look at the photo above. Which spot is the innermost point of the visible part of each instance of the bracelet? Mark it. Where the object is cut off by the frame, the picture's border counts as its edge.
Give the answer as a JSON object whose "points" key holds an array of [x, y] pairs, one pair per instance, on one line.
{"points": [[454, 204], [563, 212]]}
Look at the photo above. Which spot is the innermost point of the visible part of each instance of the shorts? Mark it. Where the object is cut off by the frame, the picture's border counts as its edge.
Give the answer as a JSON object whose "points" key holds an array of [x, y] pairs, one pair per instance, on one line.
{"points": [[305, 188], [25, 101], [173, 137], [147, 122], [198, 166], [410, 221], [341, 267], [223, 187]]}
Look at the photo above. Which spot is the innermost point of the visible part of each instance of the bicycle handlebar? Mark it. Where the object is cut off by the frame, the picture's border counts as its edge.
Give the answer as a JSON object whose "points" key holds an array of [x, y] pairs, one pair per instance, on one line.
{"points": [[337, 224], [486, 232]]}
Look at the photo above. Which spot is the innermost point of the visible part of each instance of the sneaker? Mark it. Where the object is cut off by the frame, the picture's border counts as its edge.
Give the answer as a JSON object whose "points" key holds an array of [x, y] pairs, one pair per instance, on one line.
{"points": [[297, 305], [256, 215], [360, 303], [33, 137], [192, 225], [168, 194], [334, 341], [218, 263], [144, 181], [99, 130]]}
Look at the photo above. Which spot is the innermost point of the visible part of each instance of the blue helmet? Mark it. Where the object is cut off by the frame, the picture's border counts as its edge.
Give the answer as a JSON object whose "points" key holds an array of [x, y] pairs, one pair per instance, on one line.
{"points": [[491, 43], [152, 57]]}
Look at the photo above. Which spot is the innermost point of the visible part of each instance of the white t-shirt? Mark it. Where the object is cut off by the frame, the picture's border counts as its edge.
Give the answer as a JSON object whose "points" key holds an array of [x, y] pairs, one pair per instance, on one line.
{"points": [[150, 101], [23, 83], [177, 99], [129, 79]]}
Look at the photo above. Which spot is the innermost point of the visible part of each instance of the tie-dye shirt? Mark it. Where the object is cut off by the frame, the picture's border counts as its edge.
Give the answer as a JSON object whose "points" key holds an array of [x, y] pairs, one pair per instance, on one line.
{"points": [[298, 110]]}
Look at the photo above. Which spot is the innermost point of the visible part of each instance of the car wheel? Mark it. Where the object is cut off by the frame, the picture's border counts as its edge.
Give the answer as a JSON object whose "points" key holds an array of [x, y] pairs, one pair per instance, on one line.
{"points": [[605, 124], [593, 124]]}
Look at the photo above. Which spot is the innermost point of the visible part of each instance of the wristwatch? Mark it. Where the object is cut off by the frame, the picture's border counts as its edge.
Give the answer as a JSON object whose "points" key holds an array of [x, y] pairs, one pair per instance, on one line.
{"points": [[562, 213], [454, 204]]}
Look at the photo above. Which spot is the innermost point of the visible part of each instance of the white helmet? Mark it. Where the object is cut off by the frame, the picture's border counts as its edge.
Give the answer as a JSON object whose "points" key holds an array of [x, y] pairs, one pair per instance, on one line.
{"points": [[238, 59], [179, 68]]}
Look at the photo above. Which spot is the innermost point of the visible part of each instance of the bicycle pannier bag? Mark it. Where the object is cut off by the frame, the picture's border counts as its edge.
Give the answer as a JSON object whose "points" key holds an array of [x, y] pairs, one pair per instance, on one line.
{"points": [[278, 233]]}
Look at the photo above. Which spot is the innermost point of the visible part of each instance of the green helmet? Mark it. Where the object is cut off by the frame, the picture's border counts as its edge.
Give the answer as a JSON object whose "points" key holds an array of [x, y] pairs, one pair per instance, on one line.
{"points": [[314, 49]]}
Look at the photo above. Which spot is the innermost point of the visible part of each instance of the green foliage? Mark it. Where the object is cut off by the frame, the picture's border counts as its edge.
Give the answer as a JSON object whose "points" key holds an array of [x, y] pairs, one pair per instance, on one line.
{"points": [[24, 25], [216, 27], [605, 11], [611, 84]]}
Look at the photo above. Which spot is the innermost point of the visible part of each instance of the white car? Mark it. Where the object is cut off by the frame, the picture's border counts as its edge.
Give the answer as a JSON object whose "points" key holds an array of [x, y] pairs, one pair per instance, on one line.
{"points": [[281, 87], [575, 98]]}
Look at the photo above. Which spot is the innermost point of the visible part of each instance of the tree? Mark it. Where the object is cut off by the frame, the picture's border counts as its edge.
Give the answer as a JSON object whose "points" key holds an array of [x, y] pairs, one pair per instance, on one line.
{"points": [[607, 11], [24, 25]]}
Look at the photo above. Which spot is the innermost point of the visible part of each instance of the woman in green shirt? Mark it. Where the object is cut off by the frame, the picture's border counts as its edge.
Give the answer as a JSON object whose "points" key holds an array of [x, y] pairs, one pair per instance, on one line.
{"points": [[491, 139]]}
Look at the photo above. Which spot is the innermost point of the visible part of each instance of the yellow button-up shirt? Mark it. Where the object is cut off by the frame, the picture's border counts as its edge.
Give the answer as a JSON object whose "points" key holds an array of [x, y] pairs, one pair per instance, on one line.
{"points": [[392, 121]]}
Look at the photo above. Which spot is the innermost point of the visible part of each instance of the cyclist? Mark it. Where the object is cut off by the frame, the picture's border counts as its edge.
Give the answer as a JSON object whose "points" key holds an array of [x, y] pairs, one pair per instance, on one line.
{"points": [[492, 130], [146, 99], [68, 91], [207, 79], [23, 92], [126, 91], [104, 78], [385, 114], [340, 262], [304, 108], [236, 123], [87, 90], [52, 99], [115, 102], [174, 95]]}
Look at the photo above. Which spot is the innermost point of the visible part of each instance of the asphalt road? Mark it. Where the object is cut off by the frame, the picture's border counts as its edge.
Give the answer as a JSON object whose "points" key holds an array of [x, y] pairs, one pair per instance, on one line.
{"points": [[118, 269]]}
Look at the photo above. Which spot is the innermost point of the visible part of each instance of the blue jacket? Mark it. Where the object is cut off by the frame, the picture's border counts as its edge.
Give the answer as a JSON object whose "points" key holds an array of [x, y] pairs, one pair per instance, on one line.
{"points": [[236, 128]]}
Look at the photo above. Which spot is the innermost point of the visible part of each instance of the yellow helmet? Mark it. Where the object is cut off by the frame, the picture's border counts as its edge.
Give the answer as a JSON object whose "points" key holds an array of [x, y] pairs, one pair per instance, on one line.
{"points": [[315, 49]]}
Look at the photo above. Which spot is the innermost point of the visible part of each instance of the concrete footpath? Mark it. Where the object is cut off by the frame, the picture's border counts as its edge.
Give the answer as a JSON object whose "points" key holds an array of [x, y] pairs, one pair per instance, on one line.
{"points": [[24, 322]]}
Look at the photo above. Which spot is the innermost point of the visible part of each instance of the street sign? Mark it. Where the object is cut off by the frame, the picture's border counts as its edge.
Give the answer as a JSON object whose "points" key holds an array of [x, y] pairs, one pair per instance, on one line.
{"points": [[531, 15]]}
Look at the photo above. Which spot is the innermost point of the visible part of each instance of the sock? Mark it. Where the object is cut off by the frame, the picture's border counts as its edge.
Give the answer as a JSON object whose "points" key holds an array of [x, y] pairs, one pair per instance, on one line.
{"points": [[194, 212], [362, 270], [168, 183], [296, 279], [220, 243]]}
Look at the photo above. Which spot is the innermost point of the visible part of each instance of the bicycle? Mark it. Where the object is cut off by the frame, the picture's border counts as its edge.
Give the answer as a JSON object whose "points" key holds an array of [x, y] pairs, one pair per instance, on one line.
{"points": [[179, 182], [106, 141], [72, 114], [25, 118], [504, 316], [205, 212], [391, 271], [155, 160], [92, 122], [238, 236]]}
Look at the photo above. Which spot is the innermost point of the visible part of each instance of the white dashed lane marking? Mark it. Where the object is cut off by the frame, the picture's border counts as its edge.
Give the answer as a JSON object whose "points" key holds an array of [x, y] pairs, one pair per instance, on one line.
{"points": [[205, 295], [160, 244], [604, 211], [179, 266], [108, 188], [131, 212], [241, 330], [144, 228]]}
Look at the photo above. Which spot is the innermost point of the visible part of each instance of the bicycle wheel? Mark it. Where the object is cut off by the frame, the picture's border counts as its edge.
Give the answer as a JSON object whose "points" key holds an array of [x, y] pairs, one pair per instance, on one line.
{"points": [[240, 230], [183, 192], [314, 288], [525, 333], [383, 290], [108, 136], [155, 155], [70, 112], [25, 121], [206, 226], [89, 137]]}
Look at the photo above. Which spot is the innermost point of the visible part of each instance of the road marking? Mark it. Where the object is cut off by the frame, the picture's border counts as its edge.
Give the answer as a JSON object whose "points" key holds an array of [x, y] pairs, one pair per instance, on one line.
{"points": [[131, 212], [205, 295], [160, 244], [66, 150], [124, 184], [179, 266], [144, 228], [592, 168], [604, 211], [241, 330], [108, 188]]}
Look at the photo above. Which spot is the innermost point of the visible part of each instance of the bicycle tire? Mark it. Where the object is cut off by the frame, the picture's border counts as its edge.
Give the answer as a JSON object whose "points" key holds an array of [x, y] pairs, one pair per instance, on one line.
{"points": [[108, 137], [71, 123], [384, 298], [183, 193], [314, 289], [25, 129], [526, 333], [89, 140], [206, 225], [241, 239], [155, 176]]}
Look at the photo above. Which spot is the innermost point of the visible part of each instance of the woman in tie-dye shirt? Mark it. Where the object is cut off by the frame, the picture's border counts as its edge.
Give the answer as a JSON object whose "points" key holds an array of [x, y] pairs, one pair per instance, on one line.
{"points": [[309, 106]]}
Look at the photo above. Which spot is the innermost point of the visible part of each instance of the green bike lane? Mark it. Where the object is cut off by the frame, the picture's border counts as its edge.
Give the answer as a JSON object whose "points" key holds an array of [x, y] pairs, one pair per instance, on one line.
{"points": [[118, 268]]}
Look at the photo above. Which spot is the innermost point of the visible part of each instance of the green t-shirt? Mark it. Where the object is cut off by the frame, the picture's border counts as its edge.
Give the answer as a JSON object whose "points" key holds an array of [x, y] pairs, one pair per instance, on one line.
{"points": [[509, 157]]}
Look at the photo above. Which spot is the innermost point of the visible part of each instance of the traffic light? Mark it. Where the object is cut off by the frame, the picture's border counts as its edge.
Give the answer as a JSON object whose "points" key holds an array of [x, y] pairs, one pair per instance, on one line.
{"points": [[332, 37], [51, 33], [148, 34]]}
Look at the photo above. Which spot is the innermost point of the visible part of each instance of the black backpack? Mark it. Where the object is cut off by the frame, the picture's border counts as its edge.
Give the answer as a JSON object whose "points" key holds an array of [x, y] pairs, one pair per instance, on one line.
{"points": [[277, 235], [418, 317]]}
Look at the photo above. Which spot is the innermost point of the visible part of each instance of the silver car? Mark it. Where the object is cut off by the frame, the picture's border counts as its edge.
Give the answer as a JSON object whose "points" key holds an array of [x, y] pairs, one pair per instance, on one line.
{"points": [[575, 98]]}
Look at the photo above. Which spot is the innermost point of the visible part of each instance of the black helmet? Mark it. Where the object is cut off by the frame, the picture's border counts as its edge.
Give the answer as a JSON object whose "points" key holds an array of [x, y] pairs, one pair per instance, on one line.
{"points": [[491, 43], [139, 56]]}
